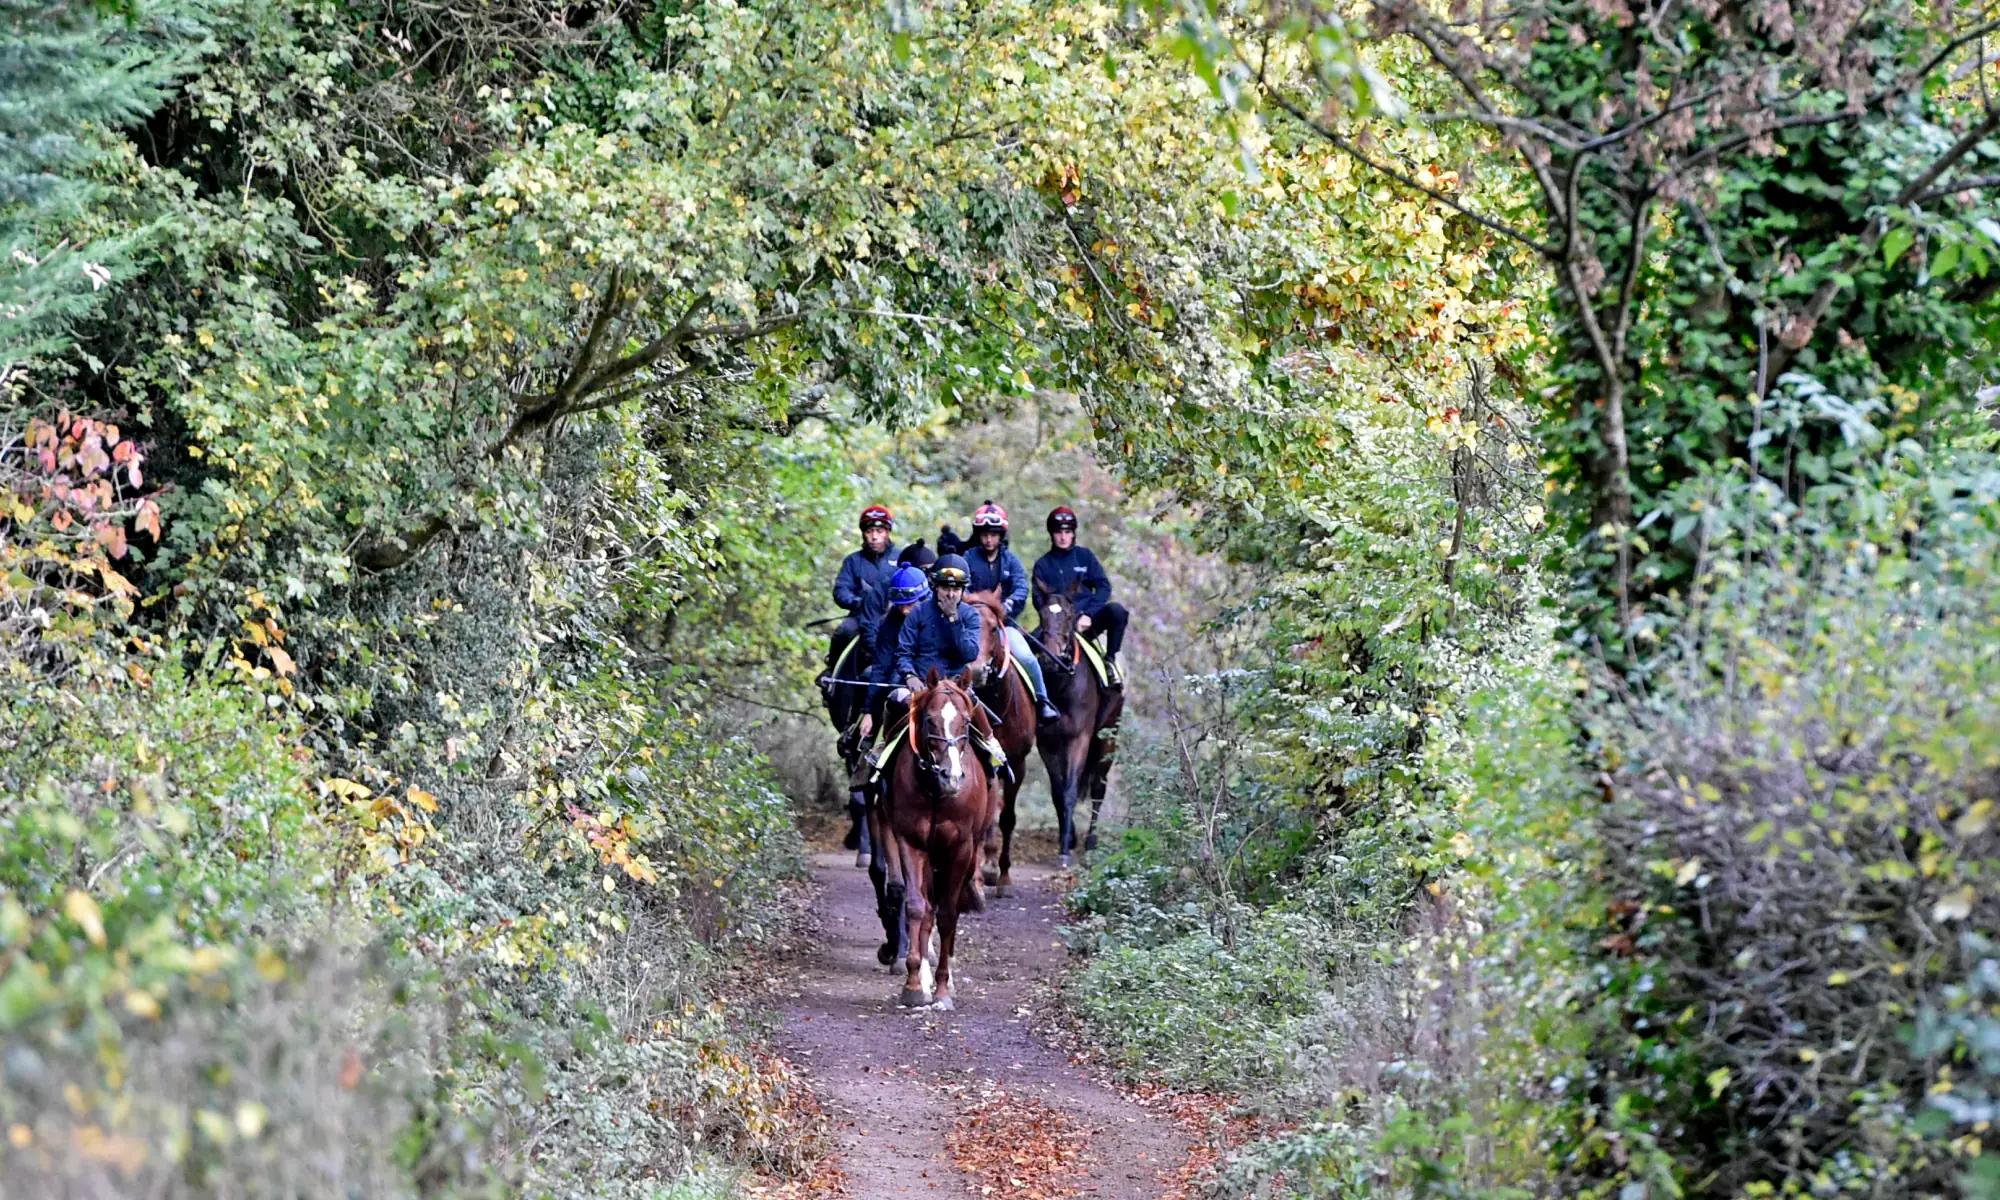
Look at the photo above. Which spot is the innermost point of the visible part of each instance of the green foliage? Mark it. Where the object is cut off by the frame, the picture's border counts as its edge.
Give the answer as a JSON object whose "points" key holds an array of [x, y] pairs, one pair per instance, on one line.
{"points": [[69, 73], [1799, 846]]}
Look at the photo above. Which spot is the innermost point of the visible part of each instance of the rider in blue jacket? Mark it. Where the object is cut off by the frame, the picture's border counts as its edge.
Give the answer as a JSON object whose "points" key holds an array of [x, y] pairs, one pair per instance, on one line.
{"points": [[862, 588], [1070, 570], [994, 566], [944, 635]]}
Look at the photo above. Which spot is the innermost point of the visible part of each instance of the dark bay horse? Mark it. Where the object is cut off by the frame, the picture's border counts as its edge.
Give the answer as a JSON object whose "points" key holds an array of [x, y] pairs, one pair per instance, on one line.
{"points": [[936, 807], [1004, 690], [1077, 750]]}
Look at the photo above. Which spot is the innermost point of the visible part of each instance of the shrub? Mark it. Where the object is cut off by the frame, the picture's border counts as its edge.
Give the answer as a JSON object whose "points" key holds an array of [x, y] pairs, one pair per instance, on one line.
{"points": [[1800, 862]]}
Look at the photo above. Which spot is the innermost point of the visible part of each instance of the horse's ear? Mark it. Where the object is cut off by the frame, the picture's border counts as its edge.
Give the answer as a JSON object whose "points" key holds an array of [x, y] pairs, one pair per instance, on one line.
{"points": [[932, 680]]}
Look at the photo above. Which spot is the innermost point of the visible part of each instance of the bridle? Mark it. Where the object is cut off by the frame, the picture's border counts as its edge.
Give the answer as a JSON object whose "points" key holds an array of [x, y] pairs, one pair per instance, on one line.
{"points": [[939, 743]]}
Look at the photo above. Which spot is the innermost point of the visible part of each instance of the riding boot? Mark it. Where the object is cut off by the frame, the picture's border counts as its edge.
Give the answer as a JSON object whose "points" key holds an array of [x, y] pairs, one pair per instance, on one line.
{"points": [[1116, 676]]}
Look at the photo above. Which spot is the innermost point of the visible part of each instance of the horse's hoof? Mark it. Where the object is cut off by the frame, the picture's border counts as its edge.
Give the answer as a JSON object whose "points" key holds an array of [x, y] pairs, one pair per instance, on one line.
{"points": [[913, 998], [1002, 890], [1063, 860], [942, 1004], [853, 839], [990, 875], [1090, 842], [975, 896], [885, 953], [861, 859]]}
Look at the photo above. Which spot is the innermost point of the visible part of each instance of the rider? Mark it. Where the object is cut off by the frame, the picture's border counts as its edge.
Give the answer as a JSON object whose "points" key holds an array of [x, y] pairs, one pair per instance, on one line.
{"points": [[908, 588], [944, 635], [994, 567], [1069, 566], [863, 590]]}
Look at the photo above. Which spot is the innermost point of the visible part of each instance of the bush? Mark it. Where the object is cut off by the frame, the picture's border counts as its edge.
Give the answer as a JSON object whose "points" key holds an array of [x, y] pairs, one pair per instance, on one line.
{"points": [[1792, 964]]}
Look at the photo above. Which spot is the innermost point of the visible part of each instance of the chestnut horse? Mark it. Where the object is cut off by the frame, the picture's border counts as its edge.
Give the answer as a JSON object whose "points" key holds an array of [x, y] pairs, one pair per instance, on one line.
{"points": [[937, 808], [1076, 750], [1004, 690]]}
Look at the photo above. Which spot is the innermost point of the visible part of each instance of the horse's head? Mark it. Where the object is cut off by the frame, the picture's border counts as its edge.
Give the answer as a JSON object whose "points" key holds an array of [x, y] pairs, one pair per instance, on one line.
{"points": [[993, 651], [941, 720], [1058, 631]]}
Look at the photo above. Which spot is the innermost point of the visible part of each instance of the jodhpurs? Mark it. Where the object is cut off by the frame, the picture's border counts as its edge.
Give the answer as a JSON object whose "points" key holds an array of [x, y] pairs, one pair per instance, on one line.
{"points": [[1025, 658]]}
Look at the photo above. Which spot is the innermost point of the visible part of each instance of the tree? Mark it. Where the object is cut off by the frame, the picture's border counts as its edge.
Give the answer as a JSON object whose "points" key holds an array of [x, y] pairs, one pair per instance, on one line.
{"points": [[68, 77], [1727, 200]]}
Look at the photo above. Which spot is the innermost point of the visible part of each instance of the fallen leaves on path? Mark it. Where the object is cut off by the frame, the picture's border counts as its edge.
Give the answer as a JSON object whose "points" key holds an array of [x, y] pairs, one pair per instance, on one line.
{"points": [[1015, 1146]]}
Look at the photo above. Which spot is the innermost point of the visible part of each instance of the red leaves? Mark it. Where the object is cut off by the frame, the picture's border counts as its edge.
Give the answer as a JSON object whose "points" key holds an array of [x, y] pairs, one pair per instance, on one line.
{"points": [[1016, 1146], [68, 502]]}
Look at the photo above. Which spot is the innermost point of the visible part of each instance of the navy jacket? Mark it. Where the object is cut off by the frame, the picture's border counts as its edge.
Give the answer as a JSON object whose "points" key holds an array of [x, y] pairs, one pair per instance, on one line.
{"points": [[928, 640], [1004, 572], [863, 589], [882, 664], [1057, 570]]}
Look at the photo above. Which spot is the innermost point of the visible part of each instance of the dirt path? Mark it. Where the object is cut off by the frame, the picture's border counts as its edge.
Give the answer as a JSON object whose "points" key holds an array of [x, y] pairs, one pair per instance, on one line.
{"points": [[911, 1091]]}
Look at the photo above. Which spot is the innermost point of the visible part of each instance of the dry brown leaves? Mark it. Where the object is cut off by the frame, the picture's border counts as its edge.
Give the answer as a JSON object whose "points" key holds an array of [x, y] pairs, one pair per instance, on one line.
{"points": [[1214, 1122], [1015, 1146]]}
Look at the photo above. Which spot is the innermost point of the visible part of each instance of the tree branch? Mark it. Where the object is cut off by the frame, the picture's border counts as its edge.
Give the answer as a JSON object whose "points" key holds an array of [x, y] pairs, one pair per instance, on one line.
{"points": [[1352, 151]]}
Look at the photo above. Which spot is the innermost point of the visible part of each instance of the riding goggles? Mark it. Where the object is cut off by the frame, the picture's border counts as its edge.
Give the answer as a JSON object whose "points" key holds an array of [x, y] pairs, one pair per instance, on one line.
{"points": [[945, 577], [908, 595]]}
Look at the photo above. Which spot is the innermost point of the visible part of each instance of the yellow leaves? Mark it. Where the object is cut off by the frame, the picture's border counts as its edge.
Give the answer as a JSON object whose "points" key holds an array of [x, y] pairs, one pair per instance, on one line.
{"points": [[142, 1004], [423, 800], [1718, 1082], [1975, 821], [80, 908], [1954, 906], [346, 789]]}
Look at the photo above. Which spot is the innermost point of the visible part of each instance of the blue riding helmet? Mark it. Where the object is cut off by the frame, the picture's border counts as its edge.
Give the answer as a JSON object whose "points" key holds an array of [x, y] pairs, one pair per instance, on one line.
{"points": [[909, 585]]}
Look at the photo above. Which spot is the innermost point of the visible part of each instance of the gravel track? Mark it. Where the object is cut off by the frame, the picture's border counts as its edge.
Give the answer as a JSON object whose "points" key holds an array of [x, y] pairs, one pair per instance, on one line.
{"points": [[895, 1082]]}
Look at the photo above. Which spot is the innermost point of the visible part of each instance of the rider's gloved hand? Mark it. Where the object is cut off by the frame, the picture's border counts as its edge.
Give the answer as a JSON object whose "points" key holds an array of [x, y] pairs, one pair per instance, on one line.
{"points": [[900, 696], [912, 684], [867, 724], [1083, 623]]}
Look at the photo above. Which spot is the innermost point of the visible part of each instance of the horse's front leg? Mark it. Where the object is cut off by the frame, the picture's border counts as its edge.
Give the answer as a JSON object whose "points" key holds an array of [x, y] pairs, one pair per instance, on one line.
{"points": [[917, 923], [961, 871], [1008, 818]]}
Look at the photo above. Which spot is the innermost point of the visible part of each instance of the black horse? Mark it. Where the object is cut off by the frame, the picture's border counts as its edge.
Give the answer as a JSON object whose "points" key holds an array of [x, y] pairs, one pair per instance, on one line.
{"points": [[1077, 751]]}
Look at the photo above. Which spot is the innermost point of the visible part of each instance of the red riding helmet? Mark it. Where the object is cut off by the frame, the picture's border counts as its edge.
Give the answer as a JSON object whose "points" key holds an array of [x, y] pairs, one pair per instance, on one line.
{"points": [[1062, 517], [875, 514], [989, 516]]}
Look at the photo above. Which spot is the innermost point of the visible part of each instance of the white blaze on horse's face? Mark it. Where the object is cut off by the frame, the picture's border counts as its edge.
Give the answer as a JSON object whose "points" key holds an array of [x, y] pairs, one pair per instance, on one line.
{"points": [[951, 748], [1054, 607]]}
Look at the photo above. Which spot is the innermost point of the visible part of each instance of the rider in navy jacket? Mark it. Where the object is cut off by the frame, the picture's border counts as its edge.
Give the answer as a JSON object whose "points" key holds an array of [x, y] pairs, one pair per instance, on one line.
{"points": [[1003, 571], [943, 634], [1056, 570], [862, 587], [1070, 570]]}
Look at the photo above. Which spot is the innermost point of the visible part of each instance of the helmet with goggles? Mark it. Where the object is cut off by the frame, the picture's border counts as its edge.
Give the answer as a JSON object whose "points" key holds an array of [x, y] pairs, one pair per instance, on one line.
{"points": [[951, 572], [909, 585]]}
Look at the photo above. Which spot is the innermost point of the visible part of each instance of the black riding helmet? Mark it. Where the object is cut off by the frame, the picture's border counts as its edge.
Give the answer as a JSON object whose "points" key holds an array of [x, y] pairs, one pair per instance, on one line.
{"points": [[918, 555], [951, 571]]}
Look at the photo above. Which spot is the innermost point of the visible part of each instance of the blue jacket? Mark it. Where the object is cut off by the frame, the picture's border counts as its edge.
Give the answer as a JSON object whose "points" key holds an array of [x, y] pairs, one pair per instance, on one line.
{"points": [[863, 589], [928, 640], [1057, 570], [882, 664], [1004, 572]]}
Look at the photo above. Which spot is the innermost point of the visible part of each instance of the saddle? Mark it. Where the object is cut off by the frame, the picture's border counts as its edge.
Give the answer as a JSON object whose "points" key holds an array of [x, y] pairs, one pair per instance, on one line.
{"points": [[1098, 666]]}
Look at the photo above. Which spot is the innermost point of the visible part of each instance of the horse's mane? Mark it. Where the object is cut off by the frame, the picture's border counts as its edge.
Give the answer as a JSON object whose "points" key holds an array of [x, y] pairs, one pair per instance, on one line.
{"points": [[990, 602]]}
